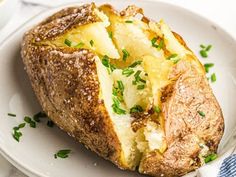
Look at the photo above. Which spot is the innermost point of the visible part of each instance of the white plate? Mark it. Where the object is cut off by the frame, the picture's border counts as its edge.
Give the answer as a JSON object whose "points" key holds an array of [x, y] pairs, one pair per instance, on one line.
{"points": [[34, 153]]}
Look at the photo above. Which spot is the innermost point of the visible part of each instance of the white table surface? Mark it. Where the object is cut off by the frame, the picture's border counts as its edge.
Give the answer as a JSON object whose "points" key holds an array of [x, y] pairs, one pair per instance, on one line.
{"points": [[222, 12]]}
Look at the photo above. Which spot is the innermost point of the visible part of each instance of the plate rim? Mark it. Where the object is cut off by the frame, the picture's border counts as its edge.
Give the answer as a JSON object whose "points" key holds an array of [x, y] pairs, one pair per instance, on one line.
{"points": [[24, 167]]}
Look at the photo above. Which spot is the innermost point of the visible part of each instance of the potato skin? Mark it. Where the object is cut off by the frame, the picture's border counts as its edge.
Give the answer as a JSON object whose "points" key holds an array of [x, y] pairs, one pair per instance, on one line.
{"points": [[66, 84], [184, 126]]}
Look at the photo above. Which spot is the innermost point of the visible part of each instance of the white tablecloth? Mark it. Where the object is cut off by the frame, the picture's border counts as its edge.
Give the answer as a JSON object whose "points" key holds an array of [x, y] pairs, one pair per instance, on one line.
{"points": [[222, 12]]}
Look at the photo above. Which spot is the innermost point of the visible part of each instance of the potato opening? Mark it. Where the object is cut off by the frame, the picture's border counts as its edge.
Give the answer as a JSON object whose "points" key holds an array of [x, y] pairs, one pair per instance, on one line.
{"points": [[134, 60]]}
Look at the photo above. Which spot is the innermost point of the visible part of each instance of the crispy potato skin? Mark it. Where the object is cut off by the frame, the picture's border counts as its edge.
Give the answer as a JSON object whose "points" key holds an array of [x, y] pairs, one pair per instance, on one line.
{"points": [[184, 126], [66, 84]]}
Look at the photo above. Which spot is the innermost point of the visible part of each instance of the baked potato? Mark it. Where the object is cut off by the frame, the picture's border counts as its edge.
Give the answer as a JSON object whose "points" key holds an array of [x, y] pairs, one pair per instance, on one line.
{"points": [[126, 87]]}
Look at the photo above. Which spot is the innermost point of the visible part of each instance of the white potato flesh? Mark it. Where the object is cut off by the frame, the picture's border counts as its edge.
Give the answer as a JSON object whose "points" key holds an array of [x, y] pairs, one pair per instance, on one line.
{"points": [[122, 123], [131, 36], [132, 96]]}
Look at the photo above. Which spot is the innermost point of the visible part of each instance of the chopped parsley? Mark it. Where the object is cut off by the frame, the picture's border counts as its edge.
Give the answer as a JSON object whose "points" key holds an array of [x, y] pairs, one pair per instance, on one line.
{"points": [[91, 43], [68, 42], [174, 58], [140, 87], [213, 77], [202, 46], [157, 109], [62, 153], [135, 64], [121, 86], [203, 53], [201, 113], [128, 21], [79, 45], [207, 66], [105, 61], [204, 50], [110, 34], [22, 125], [116, 106], [39, 115], [30, 121], [12, 115], [171, 56], [118, 90], [136, 108], [127, 72], [153, 41], [16, 133], [137, 76], [115, 91], [210, 157], [208, 48], [125, 54], [159, 46], [138, 79]]}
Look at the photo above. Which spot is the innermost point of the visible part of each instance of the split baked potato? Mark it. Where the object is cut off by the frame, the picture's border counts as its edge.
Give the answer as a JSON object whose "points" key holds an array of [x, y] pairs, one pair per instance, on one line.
{"points": [[126, 87]]}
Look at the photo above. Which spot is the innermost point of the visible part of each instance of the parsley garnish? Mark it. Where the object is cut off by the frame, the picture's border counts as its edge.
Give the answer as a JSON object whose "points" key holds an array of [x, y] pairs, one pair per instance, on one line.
{"points": [[140, 87], [127, 72], [79, 45], [62, 153], [119, 90], [201, 113], [39, 115], [138, 79], [121, 86], [203, 53], [67, 42], [207, 66], [30, 121], [116, 106], [159, 46], [107, 64], [213, 77], [210, 157], [204, 50], [110, 34], [208, 48], [12, 115], [136, 108], [125, 54], [128, 21], [153, 41], [157, 109], [91, 43], [16, 134], [136, 76], [135, 64], [174, 58]]}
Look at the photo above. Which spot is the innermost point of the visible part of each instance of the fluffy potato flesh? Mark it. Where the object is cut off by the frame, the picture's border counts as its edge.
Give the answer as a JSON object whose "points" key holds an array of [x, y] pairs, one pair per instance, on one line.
{"points": [[135, 63]]}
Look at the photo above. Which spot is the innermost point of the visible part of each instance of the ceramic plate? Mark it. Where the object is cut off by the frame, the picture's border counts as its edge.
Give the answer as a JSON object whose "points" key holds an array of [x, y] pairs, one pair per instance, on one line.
{"points": [[34, 153]]}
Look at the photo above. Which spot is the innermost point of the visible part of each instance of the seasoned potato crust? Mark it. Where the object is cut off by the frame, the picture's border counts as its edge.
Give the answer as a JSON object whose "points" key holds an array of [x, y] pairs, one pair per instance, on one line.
{"points": [[150, 107], [66, 83]]}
